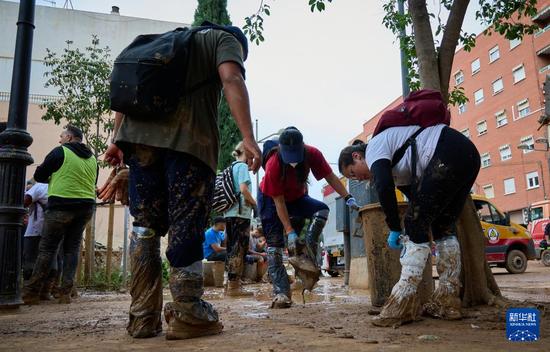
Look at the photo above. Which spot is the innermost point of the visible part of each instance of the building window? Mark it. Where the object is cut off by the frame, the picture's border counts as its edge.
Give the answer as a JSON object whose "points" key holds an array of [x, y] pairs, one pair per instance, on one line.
{"points": [[466, 132], [489, 191], [532, 180], [514, 43], [509, 186], [505, 152], [478, 96], [494, 54], [518, 73], [523, 108], [485, 160], [501, 118], [481, 127], [459, 78], [529, 142], [475, 66], [498, 86], [461, 108]]}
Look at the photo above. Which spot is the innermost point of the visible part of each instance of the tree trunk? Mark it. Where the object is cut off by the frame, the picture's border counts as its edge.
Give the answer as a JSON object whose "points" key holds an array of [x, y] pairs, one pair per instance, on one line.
{"points": [[479, 285], [449, 43], [424, 45]]}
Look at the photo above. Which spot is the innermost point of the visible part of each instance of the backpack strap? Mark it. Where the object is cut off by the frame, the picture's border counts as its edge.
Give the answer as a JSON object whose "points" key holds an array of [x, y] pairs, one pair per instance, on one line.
{"points": [[399, 153]]}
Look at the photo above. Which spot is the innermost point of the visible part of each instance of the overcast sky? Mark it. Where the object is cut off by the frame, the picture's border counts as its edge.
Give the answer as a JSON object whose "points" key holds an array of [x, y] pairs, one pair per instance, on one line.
{"points": [[325, 73]]}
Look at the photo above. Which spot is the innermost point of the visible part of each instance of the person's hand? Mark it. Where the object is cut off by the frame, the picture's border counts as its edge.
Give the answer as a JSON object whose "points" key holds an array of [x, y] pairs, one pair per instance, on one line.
{"points": [[352, 203], [116, 187], [113, 155], [292, 237], [393, 240], [253, 154]]}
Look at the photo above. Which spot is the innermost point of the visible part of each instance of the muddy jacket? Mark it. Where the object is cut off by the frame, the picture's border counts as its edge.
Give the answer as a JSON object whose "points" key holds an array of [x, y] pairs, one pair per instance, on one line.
{"points": [[71, 172]]}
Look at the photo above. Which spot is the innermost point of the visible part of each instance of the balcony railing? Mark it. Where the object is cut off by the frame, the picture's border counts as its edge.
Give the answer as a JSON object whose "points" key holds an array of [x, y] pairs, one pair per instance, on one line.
{"points": [[33, 98]]}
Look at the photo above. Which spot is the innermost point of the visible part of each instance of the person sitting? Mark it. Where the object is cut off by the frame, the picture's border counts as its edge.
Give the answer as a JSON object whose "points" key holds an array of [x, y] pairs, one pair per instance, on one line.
{"points": [[257, 252], [213, 240]]}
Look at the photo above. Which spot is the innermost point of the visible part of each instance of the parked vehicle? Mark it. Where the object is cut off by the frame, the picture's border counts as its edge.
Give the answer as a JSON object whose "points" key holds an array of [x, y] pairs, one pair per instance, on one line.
{"points": [[507, 244], [542, 249]]}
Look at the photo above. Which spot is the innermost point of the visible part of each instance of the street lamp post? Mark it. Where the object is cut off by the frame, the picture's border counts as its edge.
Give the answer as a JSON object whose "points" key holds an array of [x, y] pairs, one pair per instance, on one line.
{"points": [[14, 159]]}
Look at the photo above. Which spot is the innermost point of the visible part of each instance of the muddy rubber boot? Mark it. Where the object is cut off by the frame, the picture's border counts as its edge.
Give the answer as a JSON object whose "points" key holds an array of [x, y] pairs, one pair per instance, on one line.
{"points": [[445, 302], [146, 284], [314, 230], [234, 288], [403, 306], [30, 297], [64, 296], [189, 316]]}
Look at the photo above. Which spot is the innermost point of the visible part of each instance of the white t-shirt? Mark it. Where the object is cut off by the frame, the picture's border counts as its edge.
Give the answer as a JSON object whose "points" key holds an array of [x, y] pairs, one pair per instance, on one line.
{"points": [[39, 195], [385, 144]]}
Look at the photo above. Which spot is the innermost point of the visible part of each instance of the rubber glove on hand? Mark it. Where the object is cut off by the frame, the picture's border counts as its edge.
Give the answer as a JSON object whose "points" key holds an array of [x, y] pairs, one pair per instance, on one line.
{"points": [[393, 240], [352, 203], [291, 245]]}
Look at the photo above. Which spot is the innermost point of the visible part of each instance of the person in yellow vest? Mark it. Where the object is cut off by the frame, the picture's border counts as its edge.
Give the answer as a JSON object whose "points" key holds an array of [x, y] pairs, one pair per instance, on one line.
{"points": [[71, 173]]}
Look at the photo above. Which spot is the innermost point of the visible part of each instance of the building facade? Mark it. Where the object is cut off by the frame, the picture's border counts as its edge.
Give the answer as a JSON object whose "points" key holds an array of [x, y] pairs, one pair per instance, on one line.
{"points": [[503, 81]]}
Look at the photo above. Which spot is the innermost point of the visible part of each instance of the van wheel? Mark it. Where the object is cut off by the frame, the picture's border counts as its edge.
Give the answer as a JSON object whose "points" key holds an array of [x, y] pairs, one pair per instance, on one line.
{"points": [[545, 257], [516, 262]]}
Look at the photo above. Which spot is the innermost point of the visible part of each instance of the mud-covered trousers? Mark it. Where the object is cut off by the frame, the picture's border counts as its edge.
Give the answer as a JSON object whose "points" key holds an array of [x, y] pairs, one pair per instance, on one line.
{"points": [[302, 208], [30, 253], [60, 225], [170, 192], [237, 232], [443, 188]]}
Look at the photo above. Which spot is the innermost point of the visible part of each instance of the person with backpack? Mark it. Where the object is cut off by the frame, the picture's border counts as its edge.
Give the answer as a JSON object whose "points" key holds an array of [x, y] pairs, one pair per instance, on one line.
{"points": [[284, 195], [435, 167], [172, 154], [237, 223]]}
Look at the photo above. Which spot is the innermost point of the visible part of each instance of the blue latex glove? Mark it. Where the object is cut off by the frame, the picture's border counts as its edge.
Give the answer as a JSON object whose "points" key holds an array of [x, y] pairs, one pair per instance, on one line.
{"points": [[352, 203], [393, 240], [291, 243]]}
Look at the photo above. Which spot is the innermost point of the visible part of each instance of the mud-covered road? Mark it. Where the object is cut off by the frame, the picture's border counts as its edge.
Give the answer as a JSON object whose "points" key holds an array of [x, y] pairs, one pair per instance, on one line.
{"points": [[333, 319]]}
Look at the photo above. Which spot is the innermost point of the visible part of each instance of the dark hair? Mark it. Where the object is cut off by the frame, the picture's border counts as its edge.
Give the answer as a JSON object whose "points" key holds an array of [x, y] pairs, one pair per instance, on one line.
{"points": [[346, 158], [219, 220], [74, 131]]}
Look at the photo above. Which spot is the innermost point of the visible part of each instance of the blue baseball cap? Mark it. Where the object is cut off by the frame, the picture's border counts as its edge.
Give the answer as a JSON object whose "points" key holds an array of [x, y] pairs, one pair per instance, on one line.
{"points": [[291, 145]]}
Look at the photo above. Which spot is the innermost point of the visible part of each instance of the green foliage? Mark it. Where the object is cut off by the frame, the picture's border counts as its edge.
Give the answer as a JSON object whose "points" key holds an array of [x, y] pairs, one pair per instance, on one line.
{"points": [[501, 17], [165, 272], [213, 11], [318, 5], [82, 82], [100, 282], [216, 11], [254, 24]]}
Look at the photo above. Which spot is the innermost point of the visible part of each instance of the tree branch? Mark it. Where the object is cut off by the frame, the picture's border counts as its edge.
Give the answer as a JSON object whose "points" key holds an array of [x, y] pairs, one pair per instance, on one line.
{"points": [[424, 44], [449, 43]]}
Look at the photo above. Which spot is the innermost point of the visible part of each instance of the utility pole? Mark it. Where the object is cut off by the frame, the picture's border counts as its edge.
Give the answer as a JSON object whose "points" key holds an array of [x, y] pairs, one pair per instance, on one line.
{"points": [[404, 72], [14, 159]]}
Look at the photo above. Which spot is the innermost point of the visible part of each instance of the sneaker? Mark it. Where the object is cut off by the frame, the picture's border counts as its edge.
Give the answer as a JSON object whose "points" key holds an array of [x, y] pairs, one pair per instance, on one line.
{"points": [[281, 301]]}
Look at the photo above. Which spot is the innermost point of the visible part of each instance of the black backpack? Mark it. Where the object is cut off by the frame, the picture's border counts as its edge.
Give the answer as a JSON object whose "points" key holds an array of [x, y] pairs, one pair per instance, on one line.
{"points": [[224, 191], [148, 76]]}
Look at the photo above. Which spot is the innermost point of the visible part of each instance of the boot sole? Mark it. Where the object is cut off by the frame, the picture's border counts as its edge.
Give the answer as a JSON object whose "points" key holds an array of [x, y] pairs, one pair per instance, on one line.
{"points": [[186, 331]]}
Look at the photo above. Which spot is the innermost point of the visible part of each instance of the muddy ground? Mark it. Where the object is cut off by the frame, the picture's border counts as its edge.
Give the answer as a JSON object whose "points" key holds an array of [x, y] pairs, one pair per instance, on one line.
{"points": [[333, 319]]}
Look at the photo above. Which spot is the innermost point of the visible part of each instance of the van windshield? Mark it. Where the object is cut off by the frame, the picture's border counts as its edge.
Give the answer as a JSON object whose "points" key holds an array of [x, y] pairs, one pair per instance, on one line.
{"points": [[536, 213], [488, 213]]}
